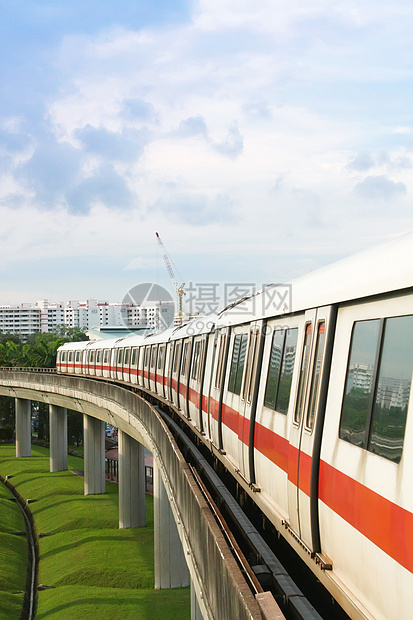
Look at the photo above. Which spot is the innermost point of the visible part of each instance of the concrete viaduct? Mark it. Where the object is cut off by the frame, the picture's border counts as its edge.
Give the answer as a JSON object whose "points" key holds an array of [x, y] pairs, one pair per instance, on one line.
{"points": [[189, 545]]}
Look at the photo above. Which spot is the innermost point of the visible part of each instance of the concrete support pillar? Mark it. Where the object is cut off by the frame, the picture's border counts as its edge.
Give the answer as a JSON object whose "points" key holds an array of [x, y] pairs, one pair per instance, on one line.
{"points": [[131, 482], [58, 438], [171, 570], [195, 608], [94, 455], [23, 409]]}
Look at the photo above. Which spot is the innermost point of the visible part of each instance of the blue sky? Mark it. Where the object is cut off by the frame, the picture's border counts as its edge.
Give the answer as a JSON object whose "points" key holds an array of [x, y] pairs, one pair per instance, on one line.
{"points": [[260, 139]]}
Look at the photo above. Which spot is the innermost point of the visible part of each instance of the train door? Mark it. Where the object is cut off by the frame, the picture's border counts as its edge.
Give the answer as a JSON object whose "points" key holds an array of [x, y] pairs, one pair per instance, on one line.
{"points": [[78, 367], [126, 365], [140, 369], [134, 365], [246, 405], [313, 353], [85, 362], [99, 362], [119, 363], [146, 366], [152, 368], [106, 363], [113, 363], [220, 356], [92, 362], [195, 381], [160, 371], [175, 372], [231, 425], [169, 368], [184, 376]]}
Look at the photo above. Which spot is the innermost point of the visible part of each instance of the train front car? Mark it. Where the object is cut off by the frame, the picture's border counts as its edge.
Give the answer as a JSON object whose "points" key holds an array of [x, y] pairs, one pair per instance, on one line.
{"points": [[69, 358], [325, 435], [365, 486]]}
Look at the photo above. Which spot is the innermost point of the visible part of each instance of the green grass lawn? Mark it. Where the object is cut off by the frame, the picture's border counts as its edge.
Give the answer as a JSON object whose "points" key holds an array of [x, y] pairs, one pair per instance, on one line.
{"points": [[13, 556], [95, 570]]}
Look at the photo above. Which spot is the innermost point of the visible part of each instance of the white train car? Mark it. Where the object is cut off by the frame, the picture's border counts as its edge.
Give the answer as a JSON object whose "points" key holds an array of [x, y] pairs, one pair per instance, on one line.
{"points": [[307, 404]]}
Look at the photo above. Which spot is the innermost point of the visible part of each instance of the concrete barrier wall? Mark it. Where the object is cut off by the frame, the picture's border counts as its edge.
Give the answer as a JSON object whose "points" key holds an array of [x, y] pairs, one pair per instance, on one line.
{"points": [[221, 590]]}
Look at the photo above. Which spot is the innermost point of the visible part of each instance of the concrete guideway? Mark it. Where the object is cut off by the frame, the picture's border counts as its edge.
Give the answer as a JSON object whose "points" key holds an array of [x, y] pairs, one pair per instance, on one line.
{"points": [[189, 545]]}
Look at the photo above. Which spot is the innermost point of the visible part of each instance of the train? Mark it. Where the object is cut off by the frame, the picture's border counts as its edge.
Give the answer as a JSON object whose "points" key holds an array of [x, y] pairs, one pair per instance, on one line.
{"points": [[303, 393]]}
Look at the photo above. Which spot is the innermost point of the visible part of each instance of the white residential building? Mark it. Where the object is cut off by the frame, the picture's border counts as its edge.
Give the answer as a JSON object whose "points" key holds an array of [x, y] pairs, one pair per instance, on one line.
{"points": [[25, 319]]}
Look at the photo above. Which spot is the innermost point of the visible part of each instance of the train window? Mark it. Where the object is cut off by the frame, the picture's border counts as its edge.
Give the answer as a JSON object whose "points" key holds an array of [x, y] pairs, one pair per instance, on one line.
{"points": [[315, 379], [92, 357], [160, 357], [280, 372], [277, 348], [392, 389], [195, 360], [133, 360], [251, 364], [378, 385], [70, 356], [286, 376], [177, 353], [237, 363], [359, 382], [303, 374], [98, 355], [201, 360], [146, 361], [220, 364], [105, 356], [184, 359], [120, 351], [153, 355], [126, 360], [77, 356], [63, 356]]}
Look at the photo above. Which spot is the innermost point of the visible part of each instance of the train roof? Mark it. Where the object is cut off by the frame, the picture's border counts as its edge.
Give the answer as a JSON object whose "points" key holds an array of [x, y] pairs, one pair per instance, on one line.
{"points": [[71, 346], [196, 327], [379, 270], [154, 338]]}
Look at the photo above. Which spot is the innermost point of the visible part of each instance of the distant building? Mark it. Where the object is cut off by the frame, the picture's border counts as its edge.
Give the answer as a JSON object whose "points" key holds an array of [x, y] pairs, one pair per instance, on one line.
{"points": [[26, 319], [22, 319]]}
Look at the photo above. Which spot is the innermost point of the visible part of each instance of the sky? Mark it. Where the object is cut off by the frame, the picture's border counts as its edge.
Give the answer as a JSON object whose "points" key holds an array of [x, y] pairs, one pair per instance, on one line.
{"points": [[262, 139]]}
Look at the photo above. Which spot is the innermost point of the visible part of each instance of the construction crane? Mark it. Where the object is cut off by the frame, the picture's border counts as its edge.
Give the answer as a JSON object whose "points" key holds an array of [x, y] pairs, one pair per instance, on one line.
{"points": [[179, 315]]}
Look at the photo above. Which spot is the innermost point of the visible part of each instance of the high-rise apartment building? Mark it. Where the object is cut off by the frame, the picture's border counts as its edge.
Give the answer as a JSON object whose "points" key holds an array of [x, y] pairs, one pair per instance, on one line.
{"points": [[25, 319]]}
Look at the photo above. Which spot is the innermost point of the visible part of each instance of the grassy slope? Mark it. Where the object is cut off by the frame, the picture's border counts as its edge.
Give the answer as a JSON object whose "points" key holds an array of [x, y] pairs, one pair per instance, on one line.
{"points": [[95, 568], [13, 557]]}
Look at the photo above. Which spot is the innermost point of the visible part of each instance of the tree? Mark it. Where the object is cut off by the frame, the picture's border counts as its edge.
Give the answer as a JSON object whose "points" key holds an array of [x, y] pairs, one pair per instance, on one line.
{"points": [[11, 353], [74, 428], [40, 350]]}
